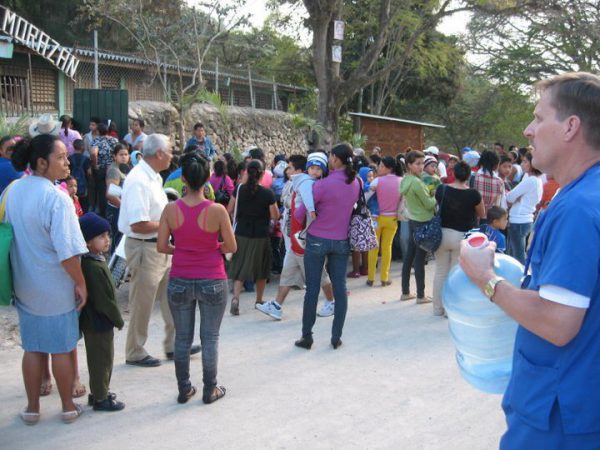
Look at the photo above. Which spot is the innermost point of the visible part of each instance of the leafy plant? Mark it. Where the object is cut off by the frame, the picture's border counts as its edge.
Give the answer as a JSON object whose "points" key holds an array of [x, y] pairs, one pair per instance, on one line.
{"points": [[358, 140], [10, 128]]}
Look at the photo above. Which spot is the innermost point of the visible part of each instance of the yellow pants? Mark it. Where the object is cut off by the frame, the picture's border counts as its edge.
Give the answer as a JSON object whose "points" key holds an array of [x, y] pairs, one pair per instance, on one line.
{"points": [[386, 229]]}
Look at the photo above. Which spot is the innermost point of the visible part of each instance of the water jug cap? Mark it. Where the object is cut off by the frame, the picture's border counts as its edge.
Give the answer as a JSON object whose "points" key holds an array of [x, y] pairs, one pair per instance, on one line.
{"points": [[477, 240]]}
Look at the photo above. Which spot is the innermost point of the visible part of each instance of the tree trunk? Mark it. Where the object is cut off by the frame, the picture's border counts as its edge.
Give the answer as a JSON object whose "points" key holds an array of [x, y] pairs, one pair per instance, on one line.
{"points": [[327, 73]]}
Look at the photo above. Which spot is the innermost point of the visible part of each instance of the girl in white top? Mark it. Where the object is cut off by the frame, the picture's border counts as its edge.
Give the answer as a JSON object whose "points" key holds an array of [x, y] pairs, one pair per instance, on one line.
{"points": [[523, 199]]}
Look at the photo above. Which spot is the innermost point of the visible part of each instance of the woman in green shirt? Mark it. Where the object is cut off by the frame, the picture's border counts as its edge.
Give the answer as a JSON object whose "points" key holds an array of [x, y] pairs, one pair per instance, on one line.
{"points": [[421, 207]]}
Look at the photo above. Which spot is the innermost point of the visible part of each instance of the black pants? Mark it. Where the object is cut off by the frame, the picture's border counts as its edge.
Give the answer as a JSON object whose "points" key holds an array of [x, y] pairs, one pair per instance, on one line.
{"points": [[415, 257], [100, 354], [100, 183]]}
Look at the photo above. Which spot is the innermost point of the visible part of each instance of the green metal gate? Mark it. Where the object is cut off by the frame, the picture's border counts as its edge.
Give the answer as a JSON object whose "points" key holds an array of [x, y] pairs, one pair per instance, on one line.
{"points": [[106, 104]]}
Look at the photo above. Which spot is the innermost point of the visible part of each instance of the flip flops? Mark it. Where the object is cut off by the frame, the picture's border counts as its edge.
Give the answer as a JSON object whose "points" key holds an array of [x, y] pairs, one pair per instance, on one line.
{"points": [[29, 418], [72, 416]]}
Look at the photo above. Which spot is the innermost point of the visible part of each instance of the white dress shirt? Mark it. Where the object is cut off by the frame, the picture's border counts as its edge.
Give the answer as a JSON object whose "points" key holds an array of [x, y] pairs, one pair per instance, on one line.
{"points": [[143, 200]]}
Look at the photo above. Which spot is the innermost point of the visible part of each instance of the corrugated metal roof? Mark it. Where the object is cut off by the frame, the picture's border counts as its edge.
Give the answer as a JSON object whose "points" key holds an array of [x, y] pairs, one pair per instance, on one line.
{"points": [[395, 119]]}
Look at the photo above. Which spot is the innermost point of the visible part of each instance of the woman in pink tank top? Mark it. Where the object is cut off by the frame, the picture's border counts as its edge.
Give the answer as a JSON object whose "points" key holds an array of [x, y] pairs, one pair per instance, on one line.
{"points": [[197, 274]]}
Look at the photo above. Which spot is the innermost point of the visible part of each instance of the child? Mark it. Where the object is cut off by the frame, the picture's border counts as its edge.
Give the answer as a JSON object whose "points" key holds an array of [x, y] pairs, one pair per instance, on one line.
{"points": [[100, 314], [316, 167], [430, 176], [497, 220], [81, 170], [71, 184]]}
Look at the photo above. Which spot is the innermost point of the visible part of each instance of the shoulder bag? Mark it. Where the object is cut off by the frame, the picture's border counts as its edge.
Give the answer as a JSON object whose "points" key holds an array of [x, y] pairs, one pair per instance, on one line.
{"points": [[221, 195], [429, 235], [361, 233]]}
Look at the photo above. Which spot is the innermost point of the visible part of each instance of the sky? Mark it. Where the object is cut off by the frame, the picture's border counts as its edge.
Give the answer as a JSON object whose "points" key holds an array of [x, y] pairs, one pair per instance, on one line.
{"points": [[258, 11], [455, 24]]}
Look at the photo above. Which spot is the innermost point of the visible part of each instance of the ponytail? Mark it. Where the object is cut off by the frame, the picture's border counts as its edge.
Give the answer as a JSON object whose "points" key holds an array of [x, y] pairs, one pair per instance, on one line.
{"points": [[345, 154], [255, 171]]}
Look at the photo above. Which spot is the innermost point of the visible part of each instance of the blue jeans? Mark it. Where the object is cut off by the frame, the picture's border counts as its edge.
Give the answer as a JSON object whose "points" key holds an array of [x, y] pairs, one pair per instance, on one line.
{"points": [[112, 215], [517, 240], [211, 297], [316, 252]]}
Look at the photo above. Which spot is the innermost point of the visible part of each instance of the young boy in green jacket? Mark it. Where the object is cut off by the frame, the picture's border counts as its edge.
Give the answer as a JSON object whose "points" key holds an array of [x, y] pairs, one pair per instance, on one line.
{"points": [[101, 313]]}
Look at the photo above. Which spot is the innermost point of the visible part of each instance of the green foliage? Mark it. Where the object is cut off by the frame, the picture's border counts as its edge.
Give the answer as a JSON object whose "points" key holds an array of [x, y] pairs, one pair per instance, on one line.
{"points": [[537, 40], [13, 128], [358, 140], [481, 113]]}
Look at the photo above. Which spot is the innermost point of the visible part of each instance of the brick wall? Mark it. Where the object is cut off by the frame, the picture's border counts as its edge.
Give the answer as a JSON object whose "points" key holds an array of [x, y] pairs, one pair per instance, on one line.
{"points": [[391, 137]]}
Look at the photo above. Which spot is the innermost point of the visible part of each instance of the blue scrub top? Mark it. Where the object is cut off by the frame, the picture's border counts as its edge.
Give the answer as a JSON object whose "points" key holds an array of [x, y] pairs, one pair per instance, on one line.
{"points": [[565, 253]]}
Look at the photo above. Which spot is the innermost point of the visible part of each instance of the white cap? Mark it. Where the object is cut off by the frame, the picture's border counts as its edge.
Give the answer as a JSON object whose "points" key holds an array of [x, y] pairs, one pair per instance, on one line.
{"points": [[433, 150]]}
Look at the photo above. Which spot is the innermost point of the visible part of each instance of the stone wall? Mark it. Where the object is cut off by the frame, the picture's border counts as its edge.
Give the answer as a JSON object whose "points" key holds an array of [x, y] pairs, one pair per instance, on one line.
{"points": [[273, 131]]}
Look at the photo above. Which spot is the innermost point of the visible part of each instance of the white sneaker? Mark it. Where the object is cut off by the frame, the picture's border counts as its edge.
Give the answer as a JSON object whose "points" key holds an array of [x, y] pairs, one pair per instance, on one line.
{"points": [[327, 309], [270, 309]]}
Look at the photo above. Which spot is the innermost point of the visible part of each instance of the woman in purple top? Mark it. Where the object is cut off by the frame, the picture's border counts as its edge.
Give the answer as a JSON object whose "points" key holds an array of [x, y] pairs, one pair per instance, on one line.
{"points": [[67, 134], [327, 239]]}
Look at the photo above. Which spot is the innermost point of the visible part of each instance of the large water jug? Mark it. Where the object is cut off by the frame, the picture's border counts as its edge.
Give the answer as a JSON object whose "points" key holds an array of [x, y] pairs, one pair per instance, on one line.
{"points": [[484, 335]]}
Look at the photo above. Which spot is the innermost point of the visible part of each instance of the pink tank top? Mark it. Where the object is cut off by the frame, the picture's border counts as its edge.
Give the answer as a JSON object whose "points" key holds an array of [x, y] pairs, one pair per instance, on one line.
{"points": [[197, 254]]}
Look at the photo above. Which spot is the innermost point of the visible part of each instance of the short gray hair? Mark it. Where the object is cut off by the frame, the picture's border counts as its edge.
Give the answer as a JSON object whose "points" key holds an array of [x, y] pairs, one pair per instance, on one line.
{"points": [[154, 143]]}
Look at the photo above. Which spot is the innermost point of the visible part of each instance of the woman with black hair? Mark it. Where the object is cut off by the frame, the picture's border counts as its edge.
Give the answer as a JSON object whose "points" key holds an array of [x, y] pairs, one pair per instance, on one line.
{"points": [[197, 274], [221, 183], [487, 181], [387, 189], [523, 199], [327, 240], [255, 206], [460, 206], [67, 134], [50, 292]]}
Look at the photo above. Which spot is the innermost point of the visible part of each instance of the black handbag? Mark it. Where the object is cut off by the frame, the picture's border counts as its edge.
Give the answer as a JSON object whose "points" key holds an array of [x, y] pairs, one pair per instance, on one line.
{"points": [[221, 196], [429, 236]]}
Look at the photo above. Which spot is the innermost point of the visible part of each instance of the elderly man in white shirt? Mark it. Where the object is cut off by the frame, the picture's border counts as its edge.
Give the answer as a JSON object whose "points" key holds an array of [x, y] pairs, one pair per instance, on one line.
{"points": [[142, 202]]}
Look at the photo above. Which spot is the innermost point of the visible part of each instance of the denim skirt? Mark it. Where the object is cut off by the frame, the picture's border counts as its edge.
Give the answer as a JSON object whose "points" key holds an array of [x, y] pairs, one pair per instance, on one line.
{"points": [[48, 334]]}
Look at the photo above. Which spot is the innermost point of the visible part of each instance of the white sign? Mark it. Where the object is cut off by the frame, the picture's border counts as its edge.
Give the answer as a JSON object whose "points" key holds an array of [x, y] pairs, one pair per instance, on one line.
{"points": [[338, 30], [336, 53], [30, 36]]}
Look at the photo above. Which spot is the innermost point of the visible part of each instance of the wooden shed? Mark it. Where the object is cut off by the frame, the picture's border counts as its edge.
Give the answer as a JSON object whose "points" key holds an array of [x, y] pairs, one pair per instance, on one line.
{"points": [[391, 134]]}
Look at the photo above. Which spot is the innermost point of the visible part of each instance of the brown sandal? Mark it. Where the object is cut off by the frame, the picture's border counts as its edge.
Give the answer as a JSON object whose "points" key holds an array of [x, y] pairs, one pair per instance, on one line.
{"points": [[46, 388], [217, 393], [183, 398], [235, 306]]}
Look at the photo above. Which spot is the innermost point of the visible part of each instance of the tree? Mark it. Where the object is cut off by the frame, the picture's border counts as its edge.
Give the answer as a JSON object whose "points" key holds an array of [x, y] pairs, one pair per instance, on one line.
{"points": [[481, 113], [269, 53], [538, 40], [173, 37]]}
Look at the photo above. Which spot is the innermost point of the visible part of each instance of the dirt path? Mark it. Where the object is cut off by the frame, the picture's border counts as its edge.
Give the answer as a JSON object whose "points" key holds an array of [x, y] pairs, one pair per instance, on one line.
{"points": [[393, 384]]}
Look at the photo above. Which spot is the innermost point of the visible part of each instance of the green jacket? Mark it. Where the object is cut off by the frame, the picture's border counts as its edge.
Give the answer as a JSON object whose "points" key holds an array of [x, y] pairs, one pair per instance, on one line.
{"points": [[420, 204], [101, 312]]}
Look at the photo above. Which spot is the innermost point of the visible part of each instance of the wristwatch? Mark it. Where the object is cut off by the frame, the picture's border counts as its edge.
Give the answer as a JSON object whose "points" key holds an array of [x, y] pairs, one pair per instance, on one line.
{"points": [[490, 288]]}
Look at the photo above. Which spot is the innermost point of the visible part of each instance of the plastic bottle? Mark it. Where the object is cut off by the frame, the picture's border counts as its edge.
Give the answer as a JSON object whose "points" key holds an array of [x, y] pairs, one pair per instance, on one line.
{"points": [[484, 335]]}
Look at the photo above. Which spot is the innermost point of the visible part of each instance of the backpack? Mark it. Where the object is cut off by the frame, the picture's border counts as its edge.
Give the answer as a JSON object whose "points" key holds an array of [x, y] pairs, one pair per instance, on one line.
{"points": [[78, 172]]}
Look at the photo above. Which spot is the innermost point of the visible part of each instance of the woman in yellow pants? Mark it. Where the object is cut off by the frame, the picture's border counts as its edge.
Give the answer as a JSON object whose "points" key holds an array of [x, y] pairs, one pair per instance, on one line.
{"points": [[387, 188]]}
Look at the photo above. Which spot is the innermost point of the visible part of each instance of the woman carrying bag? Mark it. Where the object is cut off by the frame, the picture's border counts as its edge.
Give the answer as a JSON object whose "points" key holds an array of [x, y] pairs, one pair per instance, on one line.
{"points": [[421, 206]]}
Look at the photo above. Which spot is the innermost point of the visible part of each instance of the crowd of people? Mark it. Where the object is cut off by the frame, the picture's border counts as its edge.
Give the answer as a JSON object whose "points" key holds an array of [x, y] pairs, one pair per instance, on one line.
{"points": [[246, 221]]}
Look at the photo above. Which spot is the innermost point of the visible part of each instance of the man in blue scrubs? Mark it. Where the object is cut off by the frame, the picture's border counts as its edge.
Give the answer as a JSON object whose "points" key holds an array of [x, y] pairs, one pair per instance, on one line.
{"points": [[553, 398]]}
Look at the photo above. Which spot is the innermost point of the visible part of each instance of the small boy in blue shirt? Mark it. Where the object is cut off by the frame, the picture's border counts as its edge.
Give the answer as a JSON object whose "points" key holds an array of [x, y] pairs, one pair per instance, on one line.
{"points": [[497, 221]]}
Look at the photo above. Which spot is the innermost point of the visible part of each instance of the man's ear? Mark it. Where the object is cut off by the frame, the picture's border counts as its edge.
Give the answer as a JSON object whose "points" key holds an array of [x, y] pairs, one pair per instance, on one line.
{"points": [[572, 125]]}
